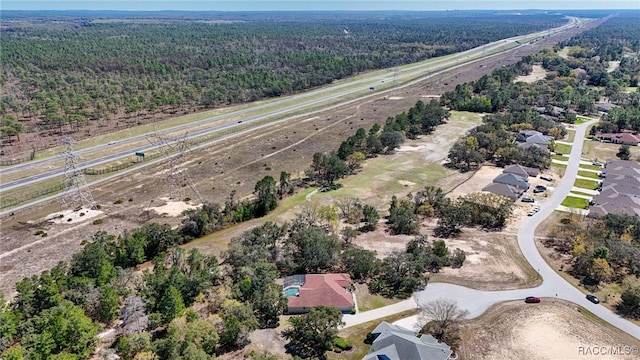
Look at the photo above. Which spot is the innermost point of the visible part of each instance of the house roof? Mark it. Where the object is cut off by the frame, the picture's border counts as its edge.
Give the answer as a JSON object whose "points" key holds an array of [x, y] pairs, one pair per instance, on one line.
{"points": [[523, 171], [528, 133], [323, 289], [507, 190], [605, 106], [538, 139], [530, 145], [512, 179], [621, 137], [395, 343], [620, 192]]}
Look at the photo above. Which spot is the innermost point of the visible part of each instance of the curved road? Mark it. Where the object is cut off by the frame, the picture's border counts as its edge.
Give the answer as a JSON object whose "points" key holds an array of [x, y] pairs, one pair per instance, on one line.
{"points": [[553, 286]]}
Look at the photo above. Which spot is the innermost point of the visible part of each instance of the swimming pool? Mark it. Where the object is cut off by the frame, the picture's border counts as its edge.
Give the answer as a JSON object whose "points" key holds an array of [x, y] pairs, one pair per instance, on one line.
{"points": [[291, 291]]}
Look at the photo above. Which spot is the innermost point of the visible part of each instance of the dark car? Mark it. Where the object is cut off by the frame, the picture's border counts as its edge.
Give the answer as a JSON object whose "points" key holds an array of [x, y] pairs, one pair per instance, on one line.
{"points": [[546, 178], [532, 299], [593, 299], [538, 190], [527, 199]]}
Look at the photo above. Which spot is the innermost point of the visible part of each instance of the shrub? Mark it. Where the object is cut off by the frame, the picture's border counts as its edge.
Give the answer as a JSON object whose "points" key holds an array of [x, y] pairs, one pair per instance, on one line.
{"points": [[341, 344], [119, 201], [98, 221]]}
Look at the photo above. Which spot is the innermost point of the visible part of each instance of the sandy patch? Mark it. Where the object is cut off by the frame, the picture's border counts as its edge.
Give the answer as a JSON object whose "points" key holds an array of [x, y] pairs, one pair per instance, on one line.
{"points": [[406, 183], [172, 208], [72, 217], [483, 177], [549, 330], [395, 98], [538, 73]]}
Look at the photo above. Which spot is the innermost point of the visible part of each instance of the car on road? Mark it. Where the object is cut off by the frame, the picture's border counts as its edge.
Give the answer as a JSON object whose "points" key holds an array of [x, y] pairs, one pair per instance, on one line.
{"points": [[532, 299], [527, 199], [111, 142], [546, 178], [593, 299]]}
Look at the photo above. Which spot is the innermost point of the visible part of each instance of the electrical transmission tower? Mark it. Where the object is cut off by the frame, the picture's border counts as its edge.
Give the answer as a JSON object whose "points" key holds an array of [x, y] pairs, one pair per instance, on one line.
{"points": [[173, 176], [75, 193]]}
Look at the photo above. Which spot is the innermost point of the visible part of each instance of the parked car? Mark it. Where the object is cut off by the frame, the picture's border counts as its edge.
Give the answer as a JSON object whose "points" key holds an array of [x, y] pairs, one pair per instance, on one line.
{"points": [[532, 299], [527, 199], [545, 177], [597, 163], [532, 212], [593, 299], [538, 190]]}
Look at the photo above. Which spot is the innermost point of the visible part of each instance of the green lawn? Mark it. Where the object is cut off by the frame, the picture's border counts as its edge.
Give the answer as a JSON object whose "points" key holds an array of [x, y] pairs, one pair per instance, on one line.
{"points": [[574, 202], [586, 184], [571, 134], [563, 148], [592, 167], [588, 174], [559, 166], [559, 157]]}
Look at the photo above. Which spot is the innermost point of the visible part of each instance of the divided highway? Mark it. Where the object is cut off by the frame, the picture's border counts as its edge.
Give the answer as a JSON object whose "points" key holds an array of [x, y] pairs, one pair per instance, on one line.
{"points": [[343, 92]]}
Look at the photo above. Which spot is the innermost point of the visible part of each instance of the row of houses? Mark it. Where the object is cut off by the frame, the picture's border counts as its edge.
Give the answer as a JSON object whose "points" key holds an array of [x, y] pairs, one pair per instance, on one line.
{"points": [[623, 138], [620, 192], [513, 182]]}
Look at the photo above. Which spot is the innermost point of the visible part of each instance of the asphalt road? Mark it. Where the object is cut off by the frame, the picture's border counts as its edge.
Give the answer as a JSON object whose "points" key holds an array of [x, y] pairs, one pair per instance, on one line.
{"points": [[291, 104], [553, 286]]}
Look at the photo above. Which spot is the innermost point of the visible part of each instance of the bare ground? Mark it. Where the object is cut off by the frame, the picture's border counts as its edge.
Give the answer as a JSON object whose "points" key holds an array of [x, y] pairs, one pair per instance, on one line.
{"points": [[552, 329]]}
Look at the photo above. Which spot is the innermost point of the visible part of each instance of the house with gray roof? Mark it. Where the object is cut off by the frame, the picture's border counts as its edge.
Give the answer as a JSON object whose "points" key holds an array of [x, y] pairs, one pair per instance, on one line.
{"points": [[520, 170], [509, 191], [513, 180], [525, 145], [620, 192], [539, 139], [392, 342]]}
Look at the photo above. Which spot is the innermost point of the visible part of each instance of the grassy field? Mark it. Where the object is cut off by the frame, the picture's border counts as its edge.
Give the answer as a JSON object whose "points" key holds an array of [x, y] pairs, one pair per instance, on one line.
{"points": [[357, 334], [600, 151], [588, 174], [368, 301], [592, 167], [560, 158], [571, 134], [563, 148], [559, 166], [586, 184], [574, 202]]}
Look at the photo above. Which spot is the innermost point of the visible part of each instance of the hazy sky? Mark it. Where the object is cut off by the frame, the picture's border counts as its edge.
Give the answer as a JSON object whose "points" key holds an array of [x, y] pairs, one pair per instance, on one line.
{"points": [[249, 5]]}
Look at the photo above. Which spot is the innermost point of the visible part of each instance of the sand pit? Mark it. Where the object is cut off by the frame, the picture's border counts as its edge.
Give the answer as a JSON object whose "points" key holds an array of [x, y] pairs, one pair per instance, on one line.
{"points": [[538, 73], [172, 208], [406, 183], [72, 217]]}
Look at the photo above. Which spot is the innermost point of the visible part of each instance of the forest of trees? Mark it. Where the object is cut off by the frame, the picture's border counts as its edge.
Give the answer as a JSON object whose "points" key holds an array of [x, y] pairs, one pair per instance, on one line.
{"points": [[66, 73]]}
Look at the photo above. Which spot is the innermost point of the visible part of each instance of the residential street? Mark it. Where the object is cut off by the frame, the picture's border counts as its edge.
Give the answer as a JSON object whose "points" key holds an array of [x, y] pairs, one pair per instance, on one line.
{"points": [[554, 286]]}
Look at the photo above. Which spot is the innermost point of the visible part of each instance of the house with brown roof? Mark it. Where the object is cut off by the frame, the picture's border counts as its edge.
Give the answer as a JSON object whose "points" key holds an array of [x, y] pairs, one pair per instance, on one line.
{"points": [[623, 138], [306, 291]]}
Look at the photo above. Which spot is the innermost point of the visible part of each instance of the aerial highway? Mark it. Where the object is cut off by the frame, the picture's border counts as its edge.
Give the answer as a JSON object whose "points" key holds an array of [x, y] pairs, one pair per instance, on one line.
{"points": [[336, 94]]}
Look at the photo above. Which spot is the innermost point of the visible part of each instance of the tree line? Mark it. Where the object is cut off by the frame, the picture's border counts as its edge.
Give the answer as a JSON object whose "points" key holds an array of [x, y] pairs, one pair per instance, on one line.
{"points": [[59, 76]]}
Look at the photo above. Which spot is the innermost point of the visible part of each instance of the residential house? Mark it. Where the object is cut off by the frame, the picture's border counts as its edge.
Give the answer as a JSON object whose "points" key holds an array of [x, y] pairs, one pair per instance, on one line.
{"points": [[525, 145], [605, 107], [539, 139], [513, 180], [509, 191], [392, 342], [620, 192], [306, 291], [520, 170], [620, 138]]}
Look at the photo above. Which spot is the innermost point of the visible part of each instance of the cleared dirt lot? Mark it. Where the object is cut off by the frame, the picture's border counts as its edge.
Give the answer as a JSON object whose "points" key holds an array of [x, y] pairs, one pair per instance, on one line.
{"points": [[552, 329]]}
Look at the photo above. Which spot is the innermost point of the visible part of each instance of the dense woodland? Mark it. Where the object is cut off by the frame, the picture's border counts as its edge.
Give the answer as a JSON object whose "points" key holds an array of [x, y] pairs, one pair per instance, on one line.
{"points": [[69, 73]]}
